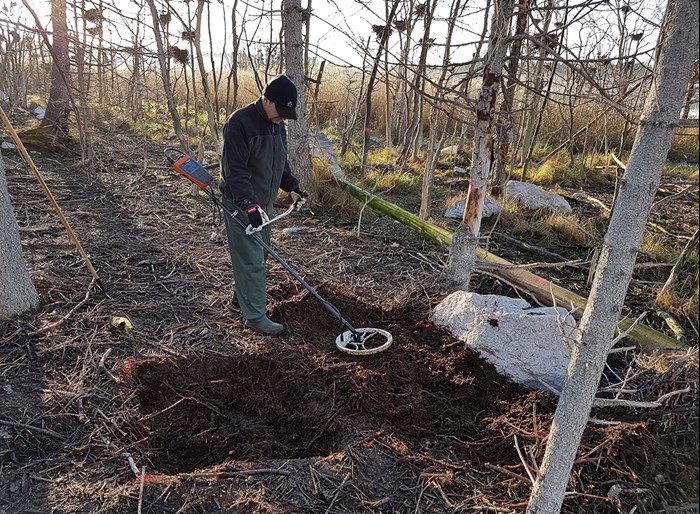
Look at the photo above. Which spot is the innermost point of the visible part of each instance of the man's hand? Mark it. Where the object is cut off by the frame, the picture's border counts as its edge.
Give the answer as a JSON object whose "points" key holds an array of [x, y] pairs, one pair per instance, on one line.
{"points": [[298, 198], [256, 217]]}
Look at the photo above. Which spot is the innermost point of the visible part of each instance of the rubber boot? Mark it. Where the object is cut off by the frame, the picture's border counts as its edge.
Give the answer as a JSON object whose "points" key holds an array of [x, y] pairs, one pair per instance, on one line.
{"points": [[265, 326]]}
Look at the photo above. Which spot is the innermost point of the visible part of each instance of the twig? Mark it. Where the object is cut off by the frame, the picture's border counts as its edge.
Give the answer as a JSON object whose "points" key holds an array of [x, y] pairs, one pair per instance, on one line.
{"points": [[103, 366], [494, 265], [337, 492], [61, 321], [420, 496], [511, 284], [531, 247], [673, 197], [507, 472], [587, 198], [618, 161], [630, 329], [143, 475], [604, 422], [30, 427], [522, 459], [685, 253], [153, 415], [132, 464], [228, 474], [611, 402]]}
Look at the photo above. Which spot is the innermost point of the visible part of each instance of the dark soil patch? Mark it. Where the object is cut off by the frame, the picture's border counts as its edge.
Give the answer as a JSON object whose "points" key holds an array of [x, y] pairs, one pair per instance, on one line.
{"points": [[309, 400]]}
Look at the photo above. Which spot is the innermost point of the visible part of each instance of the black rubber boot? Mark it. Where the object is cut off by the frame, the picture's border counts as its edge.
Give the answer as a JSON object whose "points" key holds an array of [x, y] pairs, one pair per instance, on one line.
{"points": [[265, 326]]}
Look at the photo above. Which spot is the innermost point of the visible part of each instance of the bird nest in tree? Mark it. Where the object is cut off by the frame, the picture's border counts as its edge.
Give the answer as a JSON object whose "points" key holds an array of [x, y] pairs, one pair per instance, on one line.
{"points": [[181, 55]]}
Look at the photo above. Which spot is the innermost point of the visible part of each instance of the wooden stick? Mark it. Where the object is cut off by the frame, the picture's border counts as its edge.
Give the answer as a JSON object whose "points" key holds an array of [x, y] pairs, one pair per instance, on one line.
{"points": [[47, 192]]}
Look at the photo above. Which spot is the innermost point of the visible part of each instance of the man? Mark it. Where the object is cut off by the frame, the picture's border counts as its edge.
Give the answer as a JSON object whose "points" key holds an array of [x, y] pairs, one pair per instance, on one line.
{"points": [[254, 167]]}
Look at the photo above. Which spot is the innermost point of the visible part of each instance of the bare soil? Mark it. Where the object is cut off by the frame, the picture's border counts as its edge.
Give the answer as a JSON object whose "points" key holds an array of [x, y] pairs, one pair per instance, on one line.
{"points": [[217, 419]]}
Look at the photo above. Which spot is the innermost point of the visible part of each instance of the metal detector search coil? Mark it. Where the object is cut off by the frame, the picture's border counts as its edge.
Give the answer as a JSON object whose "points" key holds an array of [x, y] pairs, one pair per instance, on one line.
{"points": [[360, 343]]}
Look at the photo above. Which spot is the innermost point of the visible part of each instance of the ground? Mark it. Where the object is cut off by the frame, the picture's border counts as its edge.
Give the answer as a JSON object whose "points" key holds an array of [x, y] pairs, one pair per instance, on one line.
{"points": [[188, 411]]}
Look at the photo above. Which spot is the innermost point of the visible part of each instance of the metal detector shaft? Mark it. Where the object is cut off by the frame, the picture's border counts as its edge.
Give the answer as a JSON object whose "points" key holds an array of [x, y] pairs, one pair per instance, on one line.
{"points": [[326, 304]]}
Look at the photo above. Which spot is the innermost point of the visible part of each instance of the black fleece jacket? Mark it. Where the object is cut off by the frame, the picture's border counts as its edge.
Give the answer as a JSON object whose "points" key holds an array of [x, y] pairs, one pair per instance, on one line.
{"points": [[254, 161]]}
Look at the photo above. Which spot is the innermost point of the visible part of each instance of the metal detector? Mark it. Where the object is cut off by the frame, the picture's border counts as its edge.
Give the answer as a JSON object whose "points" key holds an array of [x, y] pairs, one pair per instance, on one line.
{"points": [[355, 341]]}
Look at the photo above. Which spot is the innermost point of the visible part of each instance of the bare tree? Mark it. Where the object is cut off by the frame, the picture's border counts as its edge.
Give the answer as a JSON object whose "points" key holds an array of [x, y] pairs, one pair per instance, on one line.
{"points": [[208, 96], [678, 42], [504, 130], [17, 293], [58, 107], [299, 156], [465, 239], [413, 135], [177, 125], [382, 33], [433, 147]]}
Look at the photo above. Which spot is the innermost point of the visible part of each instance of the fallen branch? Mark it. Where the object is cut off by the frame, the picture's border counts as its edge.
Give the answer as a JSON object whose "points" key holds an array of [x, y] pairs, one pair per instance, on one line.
{"points": [[669, 198], [536, 286], [682, 258], [612, 402]]}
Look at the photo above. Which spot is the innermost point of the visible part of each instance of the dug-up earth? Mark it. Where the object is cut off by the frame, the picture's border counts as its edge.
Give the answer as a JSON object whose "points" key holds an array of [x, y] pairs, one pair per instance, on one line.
{"points": [[190, 412]]}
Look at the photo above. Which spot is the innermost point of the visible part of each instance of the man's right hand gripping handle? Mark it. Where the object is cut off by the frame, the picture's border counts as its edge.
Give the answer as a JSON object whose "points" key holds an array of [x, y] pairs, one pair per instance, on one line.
{"points": [[256, 217]]}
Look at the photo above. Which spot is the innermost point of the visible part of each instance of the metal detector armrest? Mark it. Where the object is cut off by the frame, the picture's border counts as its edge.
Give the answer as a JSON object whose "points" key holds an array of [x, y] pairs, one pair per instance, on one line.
{"points": [[193, 171]]}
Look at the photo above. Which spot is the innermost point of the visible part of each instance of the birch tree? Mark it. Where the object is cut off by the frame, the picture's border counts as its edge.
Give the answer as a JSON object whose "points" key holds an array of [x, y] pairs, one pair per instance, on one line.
{"points": [[465, 239], [17, 293], [299, 156], [678, 42]]}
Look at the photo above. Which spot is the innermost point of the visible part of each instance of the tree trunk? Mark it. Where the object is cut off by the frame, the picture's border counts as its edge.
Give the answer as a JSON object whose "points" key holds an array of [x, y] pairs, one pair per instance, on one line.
{"points": [[463, 249], [17, 293], [383, 40], [504, 131], [413, 136], [58, 107], [678, 43], [172, 108], [433, 152], [208, 96], [232, 79], [298, 144], [533, 111]]}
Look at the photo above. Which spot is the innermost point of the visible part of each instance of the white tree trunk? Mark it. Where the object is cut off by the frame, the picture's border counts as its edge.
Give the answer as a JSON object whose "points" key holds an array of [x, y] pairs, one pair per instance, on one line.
{"points": [[465, 239], [17, 293], [298, 144], [678, 43], [208, 96]]}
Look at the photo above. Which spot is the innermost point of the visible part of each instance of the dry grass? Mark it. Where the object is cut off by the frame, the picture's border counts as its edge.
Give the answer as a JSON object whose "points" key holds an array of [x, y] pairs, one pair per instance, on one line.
{"points": [[543, 226], [333, 198], [558, 170]]}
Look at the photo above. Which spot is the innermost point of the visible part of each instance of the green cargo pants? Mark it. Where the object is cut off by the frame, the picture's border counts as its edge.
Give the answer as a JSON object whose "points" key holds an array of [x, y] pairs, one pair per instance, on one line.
{"points": [[248, 263]]}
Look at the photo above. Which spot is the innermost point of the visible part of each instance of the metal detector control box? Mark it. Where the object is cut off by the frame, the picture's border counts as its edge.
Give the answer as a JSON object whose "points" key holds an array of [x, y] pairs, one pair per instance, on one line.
{"points": [[193, 171]]}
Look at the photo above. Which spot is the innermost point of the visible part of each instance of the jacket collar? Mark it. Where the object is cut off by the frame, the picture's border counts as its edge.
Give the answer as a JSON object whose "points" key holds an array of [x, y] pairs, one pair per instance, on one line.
{"points": [[261, 111]]}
